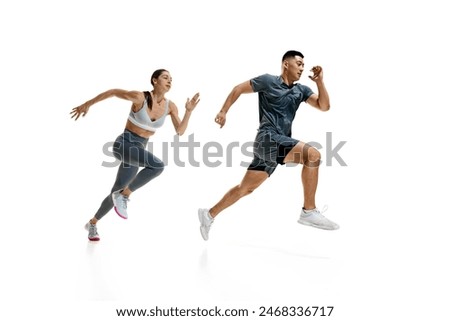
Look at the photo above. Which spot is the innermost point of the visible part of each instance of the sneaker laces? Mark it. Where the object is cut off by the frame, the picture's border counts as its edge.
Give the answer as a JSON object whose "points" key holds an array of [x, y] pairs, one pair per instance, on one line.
{"points": [[320, 212], [92, 228], [324, 209], [208, 223], [125, 200]]}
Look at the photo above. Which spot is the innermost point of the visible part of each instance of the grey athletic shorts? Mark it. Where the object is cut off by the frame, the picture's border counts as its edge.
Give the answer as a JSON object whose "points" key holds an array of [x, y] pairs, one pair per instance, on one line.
{"points": [[269, 150]]}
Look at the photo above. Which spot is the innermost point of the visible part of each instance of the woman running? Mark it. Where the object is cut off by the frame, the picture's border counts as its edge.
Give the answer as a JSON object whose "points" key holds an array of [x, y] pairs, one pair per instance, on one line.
{"points": [[147, 114]]}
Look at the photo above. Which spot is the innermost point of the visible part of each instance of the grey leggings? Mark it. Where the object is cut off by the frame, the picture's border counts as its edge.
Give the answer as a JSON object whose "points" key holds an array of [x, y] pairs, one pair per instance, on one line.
{"points": [[129, 148]]}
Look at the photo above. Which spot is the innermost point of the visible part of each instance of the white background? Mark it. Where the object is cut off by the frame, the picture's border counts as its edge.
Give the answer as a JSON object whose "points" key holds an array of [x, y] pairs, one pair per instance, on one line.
{"points": [[386, 68]]}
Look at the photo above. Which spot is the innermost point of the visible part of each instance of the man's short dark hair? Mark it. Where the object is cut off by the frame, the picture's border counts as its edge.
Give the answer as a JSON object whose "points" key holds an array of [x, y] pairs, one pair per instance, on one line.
{"points": [[291, 54]]}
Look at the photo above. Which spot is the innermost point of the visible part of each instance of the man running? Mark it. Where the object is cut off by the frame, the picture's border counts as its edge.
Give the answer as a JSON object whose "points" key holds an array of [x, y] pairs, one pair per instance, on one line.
{"points": [[279, 99]]}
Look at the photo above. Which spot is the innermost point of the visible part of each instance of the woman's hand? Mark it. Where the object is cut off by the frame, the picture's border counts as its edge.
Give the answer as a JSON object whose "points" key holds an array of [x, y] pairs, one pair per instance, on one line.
{"points": [[192, 103], [80, 111]]}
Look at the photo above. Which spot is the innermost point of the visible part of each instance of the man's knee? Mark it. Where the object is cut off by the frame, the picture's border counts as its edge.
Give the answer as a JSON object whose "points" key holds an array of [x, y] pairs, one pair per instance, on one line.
{"points": [[245, 190], [311, 156]]}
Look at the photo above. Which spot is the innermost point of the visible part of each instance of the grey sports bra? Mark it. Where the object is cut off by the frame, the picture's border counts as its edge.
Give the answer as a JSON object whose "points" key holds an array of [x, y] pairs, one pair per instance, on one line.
{"points": [[142, 119]]}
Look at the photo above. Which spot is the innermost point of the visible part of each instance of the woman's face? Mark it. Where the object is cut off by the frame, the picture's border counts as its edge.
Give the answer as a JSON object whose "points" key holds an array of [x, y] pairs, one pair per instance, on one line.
{"points": [[163, 82]]}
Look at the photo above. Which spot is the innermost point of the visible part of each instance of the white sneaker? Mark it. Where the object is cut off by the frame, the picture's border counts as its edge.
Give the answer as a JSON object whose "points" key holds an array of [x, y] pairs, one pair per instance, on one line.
{"points": [[92, 229], [315, 218], [205, 222], [120, 204]]}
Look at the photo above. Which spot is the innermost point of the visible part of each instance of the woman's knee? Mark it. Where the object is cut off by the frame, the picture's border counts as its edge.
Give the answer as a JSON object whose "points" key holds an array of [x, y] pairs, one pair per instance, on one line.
{"points": [[158, 167]]}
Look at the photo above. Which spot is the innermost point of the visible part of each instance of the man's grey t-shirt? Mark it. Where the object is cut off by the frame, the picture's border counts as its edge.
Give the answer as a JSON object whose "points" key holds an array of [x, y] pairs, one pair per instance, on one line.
{"points": [[278, 103]]}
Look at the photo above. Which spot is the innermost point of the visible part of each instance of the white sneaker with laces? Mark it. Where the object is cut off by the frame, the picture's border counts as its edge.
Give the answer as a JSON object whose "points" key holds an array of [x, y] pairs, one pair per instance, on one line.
{"points": [[92, 229], [120, 204], [315, 218], [205, 222]]}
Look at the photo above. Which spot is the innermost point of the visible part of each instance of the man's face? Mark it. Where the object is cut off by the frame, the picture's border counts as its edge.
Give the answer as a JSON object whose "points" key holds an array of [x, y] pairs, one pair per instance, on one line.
{"points": [[294, 67]]}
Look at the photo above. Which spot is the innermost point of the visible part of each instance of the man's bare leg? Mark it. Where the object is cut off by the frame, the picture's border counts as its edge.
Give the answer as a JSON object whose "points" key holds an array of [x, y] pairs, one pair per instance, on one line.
{"points": [[252, 180], [310, 158]]}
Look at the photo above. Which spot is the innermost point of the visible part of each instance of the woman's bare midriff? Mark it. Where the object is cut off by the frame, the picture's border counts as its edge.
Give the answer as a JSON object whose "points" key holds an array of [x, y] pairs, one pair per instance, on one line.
{"points": [[138, 131]]}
